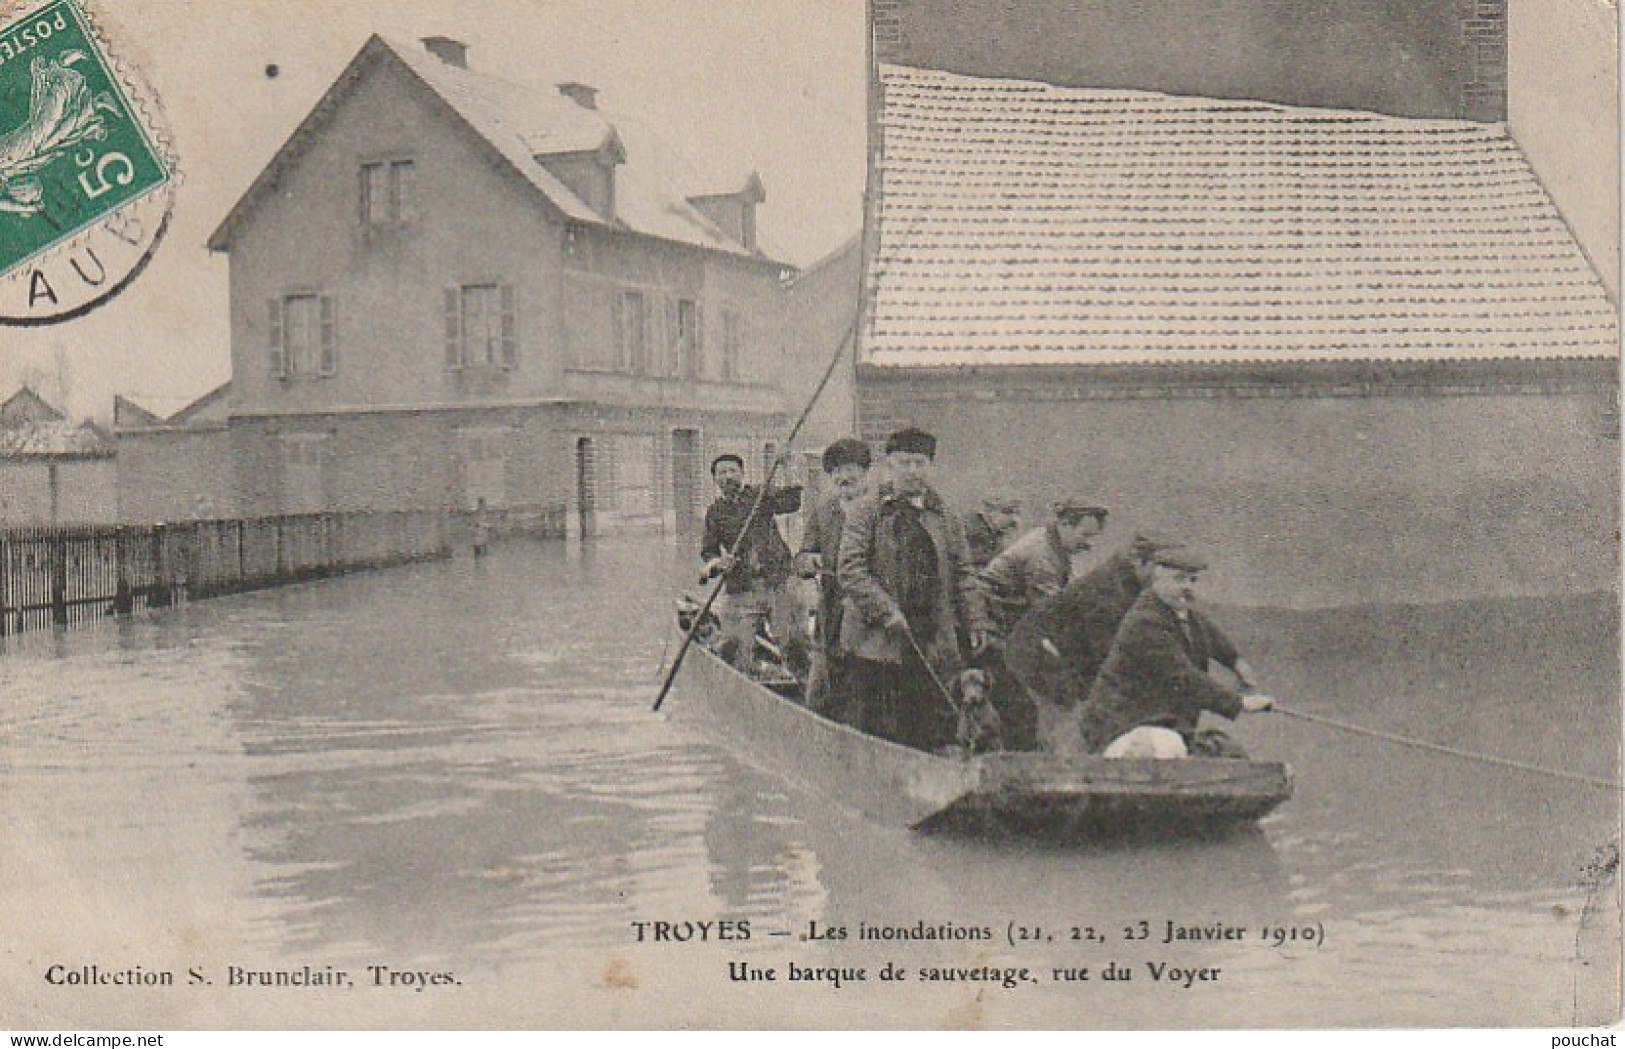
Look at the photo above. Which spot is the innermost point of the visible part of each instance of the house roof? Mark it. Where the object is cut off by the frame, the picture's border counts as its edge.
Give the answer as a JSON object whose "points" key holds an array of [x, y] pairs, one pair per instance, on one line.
{"points": [[520, 123], [26, 406], [30, 428], [1018, 222]]}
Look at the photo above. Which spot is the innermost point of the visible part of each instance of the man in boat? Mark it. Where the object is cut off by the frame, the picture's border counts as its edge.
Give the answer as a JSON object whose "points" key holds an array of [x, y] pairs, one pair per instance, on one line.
{"points": [[757, 567], [1038, 565], [846, 462], [1030, 571], [991, 528], [909, 589], [1057, 649], [1157, 673]]}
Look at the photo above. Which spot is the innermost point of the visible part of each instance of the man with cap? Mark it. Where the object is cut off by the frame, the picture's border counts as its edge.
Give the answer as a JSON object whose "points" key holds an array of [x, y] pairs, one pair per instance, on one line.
{"points": [[1157, 671], [909, 589], [990, 529], [1037, 566], [846, 462], [1057, 649], [759, 564]]}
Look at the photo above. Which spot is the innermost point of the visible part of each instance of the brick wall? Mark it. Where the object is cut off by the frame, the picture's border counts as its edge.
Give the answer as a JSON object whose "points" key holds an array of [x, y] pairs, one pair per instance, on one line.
{"points": [[1307, 495]]}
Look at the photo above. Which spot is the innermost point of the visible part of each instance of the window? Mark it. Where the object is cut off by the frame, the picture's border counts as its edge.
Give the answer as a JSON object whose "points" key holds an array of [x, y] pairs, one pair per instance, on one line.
{"points": [[388, 193], [302, 341], [481, 327], [632, 321], [684, 362], [731, 337]]}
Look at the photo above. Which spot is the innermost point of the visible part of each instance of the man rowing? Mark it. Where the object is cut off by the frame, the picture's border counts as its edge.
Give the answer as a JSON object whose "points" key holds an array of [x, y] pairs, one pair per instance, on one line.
{"points": [[755, 568], [1155, 682], [909, 589]]}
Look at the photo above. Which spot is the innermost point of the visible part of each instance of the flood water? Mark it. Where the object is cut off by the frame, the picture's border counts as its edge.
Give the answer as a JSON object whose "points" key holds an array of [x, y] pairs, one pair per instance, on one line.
{"points": [[453, 768]]}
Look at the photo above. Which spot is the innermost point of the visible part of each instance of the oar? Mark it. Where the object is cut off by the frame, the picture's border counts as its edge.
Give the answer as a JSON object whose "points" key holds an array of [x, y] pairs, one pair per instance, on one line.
{"points": [[750, 519]]}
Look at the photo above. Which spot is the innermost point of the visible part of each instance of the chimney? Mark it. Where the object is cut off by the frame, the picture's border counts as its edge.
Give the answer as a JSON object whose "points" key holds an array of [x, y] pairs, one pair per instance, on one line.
{"points": [[583, 95], [452, 52]]}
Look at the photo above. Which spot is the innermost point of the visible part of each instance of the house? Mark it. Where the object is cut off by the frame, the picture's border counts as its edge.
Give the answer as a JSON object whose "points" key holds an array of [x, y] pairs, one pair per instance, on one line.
{"points": [[53, 471], [1357, 354], [446, 287], [820, 323], [176, 467]]}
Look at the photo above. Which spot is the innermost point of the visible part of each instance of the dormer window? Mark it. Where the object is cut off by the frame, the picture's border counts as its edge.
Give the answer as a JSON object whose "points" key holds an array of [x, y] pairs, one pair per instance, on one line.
{"points": [[388, 193]]}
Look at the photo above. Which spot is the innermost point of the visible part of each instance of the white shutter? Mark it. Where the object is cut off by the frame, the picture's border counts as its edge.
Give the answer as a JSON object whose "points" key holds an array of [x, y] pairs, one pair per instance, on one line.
{"points": [[329, 348]]}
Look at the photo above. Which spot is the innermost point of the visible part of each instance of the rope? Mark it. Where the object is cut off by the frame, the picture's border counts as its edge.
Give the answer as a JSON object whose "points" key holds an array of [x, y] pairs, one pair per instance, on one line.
{"points": [[1455, 752]]}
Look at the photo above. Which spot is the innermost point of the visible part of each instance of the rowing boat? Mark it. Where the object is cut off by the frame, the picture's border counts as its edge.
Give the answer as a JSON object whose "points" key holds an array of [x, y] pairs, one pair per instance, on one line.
{"points": [[1024, 793]]}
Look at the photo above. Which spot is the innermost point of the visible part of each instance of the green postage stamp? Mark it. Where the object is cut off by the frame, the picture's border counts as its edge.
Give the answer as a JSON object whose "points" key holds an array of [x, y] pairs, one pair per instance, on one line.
{"points": [[86, 184]]}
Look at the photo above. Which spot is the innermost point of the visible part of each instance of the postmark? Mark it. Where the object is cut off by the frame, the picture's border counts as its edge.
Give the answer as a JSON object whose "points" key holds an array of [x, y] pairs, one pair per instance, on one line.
{"points": [[87, 178]]}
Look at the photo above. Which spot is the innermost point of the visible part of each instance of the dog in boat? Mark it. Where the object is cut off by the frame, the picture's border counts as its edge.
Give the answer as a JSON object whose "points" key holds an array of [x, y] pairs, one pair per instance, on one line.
{"points": [[977, 728]]}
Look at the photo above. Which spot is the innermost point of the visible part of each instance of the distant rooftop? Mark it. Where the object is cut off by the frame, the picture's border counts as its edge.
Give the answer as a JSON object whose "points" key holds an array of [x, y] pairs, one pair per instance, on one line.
{"points": [[1022, 223]]}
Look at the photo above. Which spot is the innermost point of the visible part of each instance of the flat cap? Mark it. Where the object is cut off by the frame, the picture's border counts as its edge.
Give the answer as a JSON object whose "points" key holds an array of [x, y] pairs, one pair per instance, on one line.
{"points": [[1146, 544], [848, 451], [1075, 506], [1181, 559], [912, 439]]}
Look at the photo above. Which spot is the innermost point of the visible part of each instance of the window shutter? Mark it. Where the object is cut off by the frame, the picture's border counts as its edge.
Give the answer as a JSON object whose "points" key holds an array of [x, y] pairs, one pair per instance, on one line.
{"points": [[696, 366], [278, 362], [617, 325], [365, 195], [329, 361], [452, 312], [510, 326]]}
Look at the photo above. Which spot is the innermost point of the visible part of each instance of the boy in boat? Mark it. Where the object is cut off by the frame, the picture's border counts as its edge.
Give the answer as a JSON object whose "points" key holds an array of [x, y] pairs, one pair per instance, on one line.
{"points": [[1156, 674], [990, 529], [846, 462], [757, 567], [1030, 571], [909, 588]]}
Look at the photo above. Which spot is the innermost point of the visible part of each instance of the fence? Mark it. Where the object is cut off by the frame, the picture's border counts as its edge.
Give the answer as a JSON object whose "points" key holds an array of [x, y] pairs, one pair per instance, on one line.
{"points": [[64, 576]]}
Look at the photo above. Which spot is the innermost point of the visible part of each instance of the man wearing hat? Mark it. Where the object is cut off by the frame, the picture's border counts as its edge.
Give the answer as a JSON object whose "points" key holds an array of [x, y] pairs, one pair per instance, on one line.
{"points": [[846, 462], [1057, 649], [990, 529], [909, 589], [755, 568], [1038, 565], [1157, 671]]}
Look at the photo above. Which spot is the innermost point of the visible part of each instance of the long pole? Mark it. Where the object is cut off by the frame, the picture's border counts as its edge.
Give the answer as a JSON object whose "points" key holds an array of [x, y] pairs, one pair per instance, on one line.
{"points": [[755, 509]]}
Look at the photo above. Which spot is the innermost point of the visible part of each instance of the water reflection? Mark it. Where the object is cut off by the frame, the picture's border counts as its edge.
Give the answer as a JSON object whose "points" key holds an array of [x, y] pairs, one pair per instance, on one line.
{"points": [[455, 763]]}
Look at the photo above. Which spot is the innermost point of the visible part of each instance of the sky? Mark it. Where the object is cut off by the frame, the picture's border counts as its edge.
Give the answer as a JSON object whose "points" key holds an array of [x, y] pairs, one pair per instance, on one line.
{"points": [[775, 85]]}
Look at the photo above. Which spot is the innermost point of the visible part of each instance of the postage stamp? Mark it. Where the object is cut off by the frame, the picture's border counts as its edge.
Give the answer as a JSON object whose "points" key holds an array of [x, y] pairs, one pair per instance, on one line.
{"points": [[86, 182]]}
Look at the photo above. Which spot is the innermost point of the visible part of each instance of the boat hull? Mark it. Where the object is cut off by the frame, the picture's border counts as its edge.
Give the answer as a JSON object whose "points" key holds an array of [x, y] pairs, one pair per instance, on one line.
{"points": [[1025, 793]]}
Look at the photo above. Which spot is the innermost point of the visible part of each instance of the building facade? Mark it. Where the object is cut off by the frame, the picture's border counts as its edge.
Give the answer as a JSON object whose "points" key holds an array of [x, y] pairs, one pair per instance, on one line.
{"points": [[447, 288]]}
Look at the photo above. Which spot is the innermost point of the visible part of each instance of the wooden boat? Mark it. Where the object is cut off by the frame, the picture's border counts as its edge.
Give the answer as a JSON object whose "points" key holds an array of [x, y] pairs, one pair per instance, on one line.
{"points": [[1027, 793]]}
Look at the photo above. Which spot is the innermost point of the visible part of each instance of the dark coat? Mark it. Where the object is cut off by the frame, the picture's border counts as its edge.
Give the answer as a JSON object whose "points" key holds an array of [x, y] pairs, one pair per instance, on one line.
{"points": [[822, 536], [763, 555], [1026, 573], [1080, 623], [1157, 674], [870, 574]]}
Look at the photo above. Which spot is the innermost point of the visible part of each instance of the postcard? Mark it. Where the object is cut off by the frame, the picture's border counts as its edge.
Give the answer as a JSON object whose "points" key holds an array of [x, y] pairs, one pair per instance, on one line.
{"points": [[809, 514]]}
